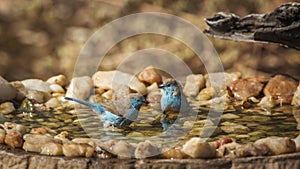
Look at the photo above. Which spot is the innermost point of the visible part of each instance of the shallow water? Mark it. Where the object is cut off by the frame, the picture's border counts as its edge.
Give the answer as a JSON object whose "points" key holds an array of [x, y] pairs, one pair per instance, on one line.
{"points": [[244, 126]]}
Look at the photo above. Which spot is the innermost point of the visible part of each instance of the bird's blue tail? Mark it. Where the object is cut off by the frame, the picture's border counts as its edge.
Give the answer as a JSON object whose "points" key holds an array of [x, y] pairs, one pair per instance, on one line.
{"points": [[94, 106]]}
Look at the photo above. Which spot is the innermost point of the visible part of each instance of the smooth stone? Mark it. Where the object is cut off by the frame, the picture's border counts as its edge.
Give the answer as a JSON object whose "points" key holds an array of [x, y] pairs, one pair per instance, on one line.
{"points": [[77, 150], [221, 79], [152, 87], [6, 108], [221, 141], [252, 150], [2, 135], [228, 116], [297, 143], [55, 88], [37, 84], [229, 127], [281, 88], [278, 145], [108, 94], [35, 142], [53, 103], [8, 92], [206, 93], [54, 149], [38, 96], [199, 148], [227, 150], [154, 96], [43, 131], [123, 150], [296, 97], [10, 126], [91, 142], [113, 79], [150, 75], [194, 83], [14, 139], [59, 79], [267, 102], [174, 153], [80, 87], [146, 150], [21, 90], [242, 89]]}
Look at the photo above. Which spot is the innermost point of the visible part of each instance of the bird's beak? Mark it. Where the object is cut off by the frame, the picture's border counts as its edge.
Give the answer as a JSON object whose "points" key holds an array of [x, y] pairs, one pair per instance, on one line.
{"points": [[161, 86]]}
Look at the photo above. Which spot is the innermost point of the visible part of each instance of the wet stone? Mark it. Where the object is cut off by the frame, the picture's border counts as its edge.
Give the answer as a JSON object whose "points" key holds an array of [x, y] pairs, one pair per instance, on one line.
{"points": [[6, 108], [37, 85], [278, 145], [234, 128], [199, 148], [281, 88], [194, 83], [296, 97], [8, 92], [146, 150], [80, 87], [14, 139], [77, 150], [59, 79], [242, 89], [150, 75]]}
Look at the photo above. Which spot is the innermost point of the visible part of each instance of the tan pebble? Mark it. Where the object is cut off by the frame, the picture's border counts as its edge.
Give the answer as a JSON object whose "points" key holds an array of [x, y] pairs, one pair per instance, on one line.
{"points": [[198, 148], [150, 75], [14, 139], [59, 79], [52, 149], [2, 135], [6, 108]]}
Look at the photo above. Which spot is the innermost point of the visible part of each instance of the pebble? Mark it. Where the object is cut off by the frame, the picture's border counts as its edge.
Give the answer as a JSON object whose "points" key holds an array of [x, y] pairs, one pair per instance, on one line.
{"points": [[227, 150], [8, 92], [35, 142], [80, 87], [123, 150], [55, 88], [9, 126], [267, 102], [91, 142], [281, 88], [152, 87], [113, 79], [2, 135], [52, 148], [297, 143], [6, 108], [37, 84], [206, 93], [108, 94], [221, 79], [150, 75], [154, 96], [242, 89], [53, 103], [77, 150], [146, 150], [278, 145], [174, 153], [59, 79], [14, 139], [194, 83], [252, 150], [38, 96], [21, 90], [221, 141], [198, 148], [296, 97]]}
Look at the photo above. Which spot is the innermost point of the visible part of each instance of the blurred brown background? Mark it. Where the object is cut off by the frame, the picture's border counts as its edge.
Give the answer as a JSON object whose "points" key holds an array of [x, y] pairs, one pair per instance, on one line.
{"points": [[42, 38]]}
